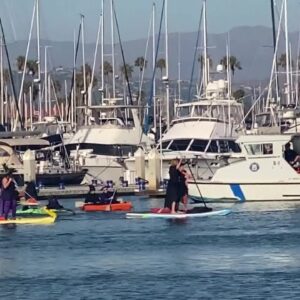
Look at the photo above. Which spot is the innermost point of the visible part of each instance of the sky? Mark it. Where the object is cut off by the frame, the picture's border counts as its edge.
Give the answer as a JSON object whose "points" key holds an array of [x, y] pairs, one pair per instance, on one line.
{"points": [[59, 18]]}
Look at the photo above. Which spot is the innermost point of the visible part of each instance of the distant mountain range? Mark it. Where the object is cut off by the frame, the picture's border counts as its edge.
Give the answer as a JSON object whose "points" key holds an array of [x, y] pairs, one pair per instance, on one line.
{"points": [[251, 45]]}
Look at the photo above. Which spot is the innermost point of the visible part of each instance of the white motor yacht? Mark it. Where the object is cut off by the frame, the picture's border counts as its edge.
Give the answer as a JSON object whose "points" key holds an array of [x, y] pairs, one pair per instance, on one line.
{"points": [[259, 173], [103, 146]]}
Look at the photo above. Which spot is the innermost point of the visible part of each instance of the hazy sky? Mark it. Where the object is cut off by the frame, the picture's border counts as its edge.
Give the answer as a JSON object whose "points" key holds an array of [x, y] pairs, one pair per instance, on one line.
{"points": [[59, 18]]}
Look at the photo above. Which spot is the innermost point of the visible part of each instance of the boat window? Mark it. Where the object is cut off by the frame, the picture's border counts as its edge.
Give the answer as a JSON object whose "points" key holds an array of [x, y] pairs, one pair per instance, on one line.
{"points": [[234, 147], [184, 111], [164, 145], [259, 149], [224, 147], [198, 145], [213, 147], [179, 145], [201, 111], [101, 149]]}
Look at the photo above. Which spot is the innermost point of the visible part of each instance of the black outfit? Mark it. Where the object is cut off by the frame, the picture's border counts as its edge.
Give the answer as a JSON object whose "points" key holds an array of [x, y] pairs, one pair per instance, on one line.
{"points": [[173, 191], [30, 191], [182, 186], [290, 155], [54, 204]]}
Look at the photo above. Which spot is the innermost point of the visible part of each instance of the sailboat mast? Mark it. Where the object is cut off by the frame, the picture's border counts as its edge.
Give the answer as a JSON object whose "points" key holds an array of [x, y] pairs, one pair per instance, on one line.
{"points": [[274, 46], [167, 64], [113, 49], [39, 58], [84, 69], [205, 45], [102, 52], [287, 52], [154, 64]]}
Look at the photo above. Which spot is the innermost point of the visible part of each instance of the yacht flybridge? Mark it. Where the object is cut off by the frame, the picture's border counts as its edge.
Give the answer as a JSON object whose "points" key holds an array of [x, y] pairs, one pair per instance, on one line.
{"points": [[259, 173], [205, 128]]}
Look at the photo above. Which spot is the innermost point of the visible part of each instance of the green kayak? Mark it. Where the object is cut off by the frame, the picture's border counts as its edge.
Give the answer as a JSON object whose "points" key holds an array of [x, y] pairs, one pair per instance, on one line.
{"points": [[41, 211]]}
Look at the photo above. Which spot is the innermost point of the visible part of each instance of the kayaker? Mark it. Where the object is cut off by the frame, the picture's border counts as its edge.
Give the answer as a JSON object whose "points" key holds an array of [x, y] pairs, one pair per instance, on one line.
{"points": [[9, 196], [54, 204], [173, 193], [30, 191]]}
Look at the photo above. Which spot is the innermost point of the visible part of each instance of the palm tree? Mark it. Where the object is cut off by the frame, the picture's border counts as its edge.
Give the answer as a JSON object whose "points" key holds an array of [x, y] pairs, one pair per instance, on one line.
{"points": [[88, 77], [161, 64], [239, 94], [233, 63], [140, 63], [107, 67], [20, 63], [126, 69], [201, 61], [281, 62], [32, 67]]}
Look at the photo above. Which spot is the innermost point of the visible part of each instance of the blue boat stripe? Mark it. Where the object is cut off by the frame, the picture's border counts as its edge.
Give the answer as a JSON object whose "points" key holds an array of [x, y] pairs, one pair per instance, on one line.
{"points": [[237, 192]]}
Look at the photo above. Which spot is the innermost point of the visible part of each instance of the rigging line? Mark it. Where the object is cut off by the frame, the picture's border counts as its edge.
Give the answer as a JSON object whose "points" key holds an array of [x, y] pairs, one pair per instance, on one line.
{"points": [[146, 119], [74, 71], [11, 76], [123, 56], [195, 53]]}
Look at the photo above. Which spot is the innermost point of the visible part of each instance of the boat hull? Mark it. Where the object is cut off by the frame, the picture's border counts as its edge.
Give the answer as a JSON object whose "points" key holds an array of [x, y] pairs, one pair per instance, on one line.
{"points": [[123, 206], [33, 220], [273, 191]]}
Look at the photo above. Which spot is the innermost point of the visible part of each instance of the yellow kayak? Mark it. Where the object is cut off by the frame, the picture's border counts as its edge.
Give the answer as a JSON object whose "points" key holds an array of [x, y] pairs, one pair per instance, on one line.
{"points": [[35, 220]]}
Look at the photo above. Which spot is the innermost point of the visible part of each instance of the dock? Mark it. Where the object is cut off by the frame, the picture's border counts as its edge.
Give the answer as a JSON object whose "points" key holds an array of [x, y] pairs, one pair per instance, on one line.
{"points": [[80, 191]]}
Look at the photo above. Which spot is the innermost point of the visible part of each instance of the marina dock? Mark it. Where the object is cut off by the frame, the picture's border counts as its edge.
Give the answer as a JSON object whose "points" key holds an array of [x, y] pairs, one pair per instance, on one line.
{"points": [[80, 191]]}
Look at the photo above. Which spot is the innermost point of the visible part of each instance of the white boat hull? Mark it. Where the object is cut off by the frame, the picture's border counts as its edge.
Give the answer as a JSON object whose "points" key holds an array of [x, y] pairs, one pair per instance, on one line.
{"points": [[215, 191]]}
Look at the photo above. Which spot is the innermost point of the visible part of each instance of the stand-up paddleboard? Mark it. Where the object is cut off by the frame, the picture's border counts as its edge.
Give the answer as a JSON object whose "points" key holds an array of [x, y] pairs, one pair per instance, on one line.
{"points": [[30, 220], [149, 215]]}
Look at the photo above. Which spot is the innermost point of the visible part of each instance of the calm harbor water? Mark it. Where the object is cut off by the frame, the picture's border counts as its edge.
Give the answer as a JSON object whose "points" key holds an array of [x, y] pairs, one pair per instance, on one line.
{"points": [[253, 253]]}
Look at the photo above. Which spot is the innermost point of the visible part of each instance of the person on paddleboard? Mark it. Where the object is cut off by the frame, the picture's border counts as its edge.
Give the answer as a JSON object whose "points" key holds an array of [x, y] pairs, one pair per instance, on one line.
{"points": [[9, 196], [183, 186], [173, 193]]}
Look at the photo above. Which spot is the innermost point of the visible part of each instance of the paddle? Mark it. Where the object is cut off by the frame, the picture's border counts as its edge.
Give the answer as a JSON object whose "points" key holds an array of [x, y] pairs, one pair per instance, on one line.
{"points": [[188, 163], [111, 200]]}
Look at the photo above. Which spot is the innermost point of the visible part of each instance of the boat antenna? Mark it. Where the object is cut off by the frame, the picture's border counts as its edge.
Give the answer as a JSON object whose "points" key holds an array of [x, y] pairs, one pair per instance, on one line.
{"points": [[149, 102], [122, 53], [74, 71], [11, 76], [195, 54]]}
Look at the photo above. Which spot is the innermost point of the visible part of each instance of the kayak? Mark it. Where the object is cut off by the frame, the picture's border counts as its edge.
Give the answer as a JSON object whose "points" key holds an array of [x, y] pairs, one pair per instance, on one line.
{"points": [[149, 215], [50, 218], [41, 211], [121, 206]]}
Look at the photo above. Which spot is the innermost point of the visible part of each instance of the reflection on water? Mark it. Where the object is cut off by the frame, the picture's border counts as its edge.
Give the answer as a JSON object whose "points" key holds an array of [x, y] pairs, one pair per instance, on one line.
{"points": [[251, 254]]}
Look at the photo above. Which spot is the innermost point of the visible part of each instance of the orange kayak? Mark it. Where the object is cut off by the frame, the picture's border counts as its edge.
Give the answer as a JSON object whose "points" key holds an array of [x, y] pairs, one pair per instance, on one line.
{"points": [[122, 206]]}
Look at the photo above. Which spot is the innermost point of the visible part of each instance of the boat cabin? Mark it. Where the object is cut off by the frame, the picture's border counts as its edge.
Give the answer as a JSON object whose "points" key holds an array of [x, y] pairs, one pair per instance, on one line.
{"points": [[285, 147]]}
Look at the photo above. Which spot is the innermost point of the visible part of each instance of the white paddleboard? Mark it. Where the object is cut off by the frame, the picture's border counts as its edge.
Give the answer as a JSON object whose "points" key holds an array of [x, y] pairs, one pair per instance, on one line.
{"points": [[148, 215]]}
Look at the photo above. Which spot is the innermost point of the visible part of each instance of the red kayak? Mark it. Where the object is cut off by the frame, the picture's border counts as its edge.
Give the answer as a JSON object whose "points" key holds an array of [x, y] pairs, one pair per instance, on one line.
{"points": [[121, 206]]}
